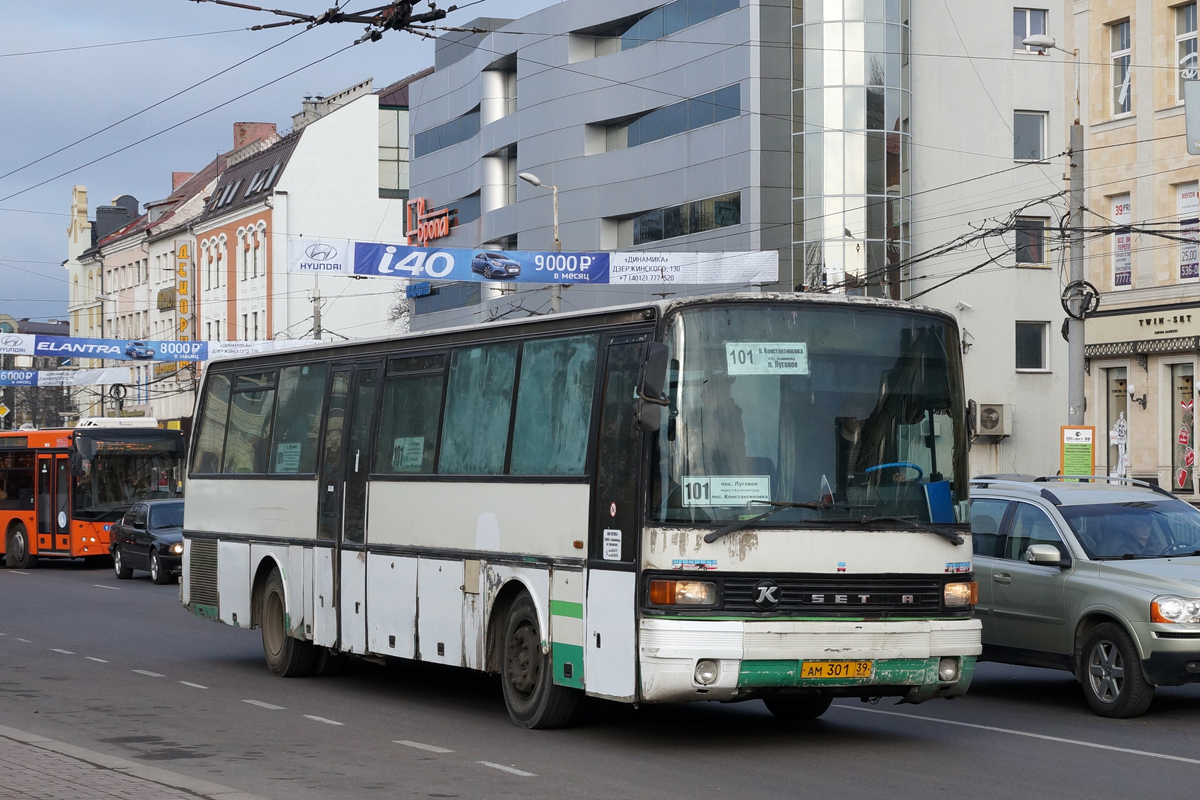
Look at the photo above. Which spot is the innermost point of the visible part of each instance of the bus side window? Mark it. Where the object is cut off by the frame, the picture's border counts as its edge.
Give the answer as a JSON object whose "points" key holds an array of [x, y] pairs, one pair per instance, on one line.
{"points": [[249, 431], [298, 419], [478, 404], [408, 426], [210, 439], [554, 406]]}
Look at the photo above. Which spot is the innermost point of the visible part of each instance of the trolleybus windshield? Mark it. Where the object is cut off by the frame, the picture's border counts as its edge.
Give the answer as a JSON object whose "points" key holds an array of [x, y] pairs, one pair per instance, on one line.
{"points": [[113, 471]]}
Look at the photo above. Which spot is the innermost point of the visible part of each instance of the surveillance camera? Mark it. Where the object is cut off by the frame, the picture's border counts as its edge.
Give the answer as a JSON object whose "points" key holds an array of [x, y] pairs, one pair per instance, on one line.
{"points": [[963, 305]]}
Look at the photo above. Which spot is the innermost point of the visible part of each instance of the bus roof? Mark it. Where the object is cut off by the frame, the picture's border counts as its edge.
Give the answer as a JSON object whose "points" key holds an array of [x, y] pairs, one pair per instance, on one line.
{"points": [[657, 309]]}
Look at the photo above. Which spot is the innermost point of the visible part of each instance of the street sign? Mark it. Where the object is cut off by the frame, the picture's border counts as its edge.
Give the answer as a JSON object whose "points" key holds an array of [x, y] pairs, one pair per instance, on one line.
{"points": [[4, 410], [1078, 450], [1191, 106]]}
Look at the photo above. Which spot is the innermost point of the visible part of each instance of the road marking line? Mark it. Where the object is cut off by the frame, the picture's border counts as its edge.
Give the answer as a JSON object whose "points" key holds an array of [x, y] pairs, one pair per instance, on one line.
{"points": [[1028, 734], [14, 572], [261, 704], [429, 747], [193, 685], [510, 770], [26, 641], [3, 634], [149, 674], [98, 660], [64, 652], [322, 719], [102, 586]]}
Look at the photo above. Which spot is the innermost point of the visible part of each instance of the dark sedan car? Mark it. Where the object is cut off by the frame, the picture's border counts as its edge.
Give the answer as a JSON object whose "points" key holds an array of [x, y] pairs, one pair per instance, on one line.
{"points": [[495, 265], [149, 536]]}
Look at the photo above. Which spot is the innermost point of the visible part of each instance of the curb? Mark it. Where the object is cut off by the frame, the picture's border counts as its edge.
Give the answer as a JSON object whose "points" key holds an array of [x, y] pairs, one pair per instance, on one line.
{"points": [[172, 780]]}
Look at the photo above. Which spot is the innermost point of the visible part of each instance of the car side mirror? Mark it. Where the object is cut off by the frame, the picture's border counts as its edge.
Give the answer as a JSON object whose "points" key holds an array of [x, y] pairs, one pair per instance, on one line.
{"points": [[1047, 555], [651, 386]]}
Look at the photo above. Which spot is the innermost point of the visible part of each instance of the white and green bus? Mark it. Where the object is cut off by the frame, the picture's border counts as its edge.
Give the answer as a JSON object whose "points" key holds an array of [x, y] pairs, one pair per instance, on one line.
{"points": [[720, 498]]}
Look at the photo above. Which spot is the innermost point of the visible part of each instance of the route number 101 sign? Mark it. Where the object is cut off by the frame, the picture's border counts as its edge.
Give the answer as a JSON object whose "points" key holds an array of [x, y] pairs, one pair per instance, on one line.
{"points": [[766, 358]]}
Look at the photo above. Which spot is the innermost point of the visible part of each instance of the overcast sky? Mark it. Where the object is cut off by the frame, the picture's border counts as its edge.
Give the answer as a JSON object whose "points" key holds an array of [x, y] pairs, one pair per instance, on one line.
{"points": [[52, 99]]}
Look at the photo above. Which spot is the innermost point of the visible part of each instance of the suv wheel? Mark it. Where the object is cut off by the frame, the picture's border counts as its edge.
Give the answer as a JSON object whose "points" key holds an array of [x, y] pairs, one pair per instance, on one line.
{"points": [[1112, 673]]}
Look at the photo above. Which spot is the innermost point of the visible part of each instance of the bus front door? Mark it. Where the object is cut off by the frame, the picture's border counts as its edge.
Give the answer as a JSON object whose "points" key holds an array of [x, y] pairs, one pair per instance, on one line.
{"points": [[610, 649], [341, 567], [53, 504]]}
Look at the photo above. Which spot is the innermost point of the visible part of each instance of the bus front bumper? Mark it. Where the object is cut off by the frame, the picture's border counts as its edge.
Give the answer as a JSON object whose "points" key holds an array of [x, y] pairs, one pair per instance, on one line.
{"points": [[754, 658]]}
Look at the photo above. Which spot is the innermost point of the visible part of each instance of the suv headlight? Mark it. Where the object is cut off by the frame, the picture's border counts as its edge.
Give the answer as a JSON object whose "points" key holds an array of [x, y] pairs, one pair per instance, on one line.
{"points": [[957, 595], [683, 593], [1169, 608]]}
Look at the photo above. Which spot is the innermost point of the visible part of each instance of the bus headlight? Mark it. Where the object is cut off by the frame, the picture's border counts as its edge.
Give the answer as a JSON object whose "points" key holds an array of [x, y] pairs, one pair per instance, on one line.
{"points": [[959, 595], [707, 672], [683, 593], [1183, 610], [947, 669]]}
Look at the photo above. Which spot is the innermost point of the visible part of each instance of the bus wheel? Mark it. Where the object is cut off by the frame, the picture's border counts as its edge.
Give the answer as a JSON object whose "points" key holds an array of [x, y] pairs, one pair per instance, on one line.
{"points": [[793, 708], [17, 553], [286, 657], [532, 697]]}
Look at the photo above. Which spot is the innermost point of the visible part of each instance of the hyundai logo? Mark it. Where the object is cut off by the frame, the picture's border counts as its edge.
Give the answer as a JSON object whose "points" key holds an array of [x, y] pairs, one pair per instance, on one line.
{"points": [[766, 595], [11, 341], [321, 252]]}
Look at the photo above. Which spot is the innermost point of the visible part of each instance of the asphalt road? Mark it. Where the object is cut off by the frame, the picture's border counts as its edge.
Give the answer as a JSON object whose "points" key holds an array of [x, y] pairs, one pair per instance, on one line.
{"points": [[119, 667]]}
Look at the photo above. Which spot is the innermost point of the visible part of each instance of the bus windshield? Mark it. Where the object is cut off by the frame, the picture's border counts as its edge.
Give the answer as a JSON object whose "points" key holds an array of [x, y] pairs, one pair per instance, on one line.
{"points": [[113, 473], [854, 412]]}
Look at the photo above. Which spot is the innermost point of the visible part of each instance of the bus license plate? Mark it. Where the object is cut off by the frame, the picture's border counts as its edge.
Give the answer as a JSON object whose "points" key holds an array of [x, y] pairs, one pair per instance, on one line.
{"points": [[836, 669]]}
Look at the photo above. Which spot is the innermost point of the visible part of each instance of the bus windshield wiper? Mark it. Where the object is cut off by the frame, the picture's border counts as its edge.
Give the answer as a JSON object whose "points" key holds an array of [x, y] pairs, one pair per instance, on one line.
{"points": [[950, 535], [779, 505]]}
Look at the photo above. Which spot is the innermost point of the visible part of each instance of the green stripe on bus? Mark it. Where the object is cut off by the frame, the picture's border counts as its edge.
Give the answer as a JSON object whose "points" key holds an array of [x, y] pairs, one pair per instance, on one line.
{"points": [[564, 656], [565, 608]]}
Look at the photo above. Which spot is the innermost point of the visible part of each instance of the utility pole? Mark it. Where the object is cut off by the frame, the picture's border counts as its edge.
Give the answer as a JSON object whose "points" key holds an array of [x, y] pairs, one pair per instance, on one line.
{"points": [[316, 301], [1075, 351]]}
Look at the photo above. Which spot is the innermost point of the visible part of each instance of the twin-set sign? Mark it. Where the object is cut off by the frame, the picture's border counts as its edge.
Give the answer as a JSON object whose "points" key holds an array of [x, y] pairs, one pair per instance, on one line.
{"points": [[383, 260]]}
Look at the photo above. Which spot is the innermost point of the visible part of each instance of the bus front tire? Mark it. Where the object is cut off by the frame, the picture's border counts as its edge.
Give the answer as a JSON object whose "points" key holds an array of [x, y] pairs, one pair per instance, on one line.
{"points": [[797, 707], [16, 552], [286, 656], [533, 699]]}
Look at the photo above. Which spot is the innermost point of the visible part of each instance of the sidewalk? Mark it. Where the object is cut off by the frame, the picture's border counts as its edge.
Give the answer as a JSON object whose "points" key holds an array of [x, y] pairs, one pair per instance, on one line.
{"points": [[36, 768]]}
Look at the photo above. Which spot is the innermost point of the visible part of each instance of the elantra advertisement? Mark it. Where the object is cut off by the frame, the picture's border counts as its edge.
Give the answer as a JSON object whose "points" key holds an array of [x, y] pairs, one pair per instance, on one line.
{"points": [[134, 349]]}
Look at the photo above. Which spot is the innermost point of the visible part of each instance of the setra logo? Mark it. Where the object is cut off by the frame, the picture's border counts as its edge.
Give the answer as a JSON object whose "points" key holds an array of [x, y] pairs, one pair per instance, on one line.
{"points": [[766, 595]]}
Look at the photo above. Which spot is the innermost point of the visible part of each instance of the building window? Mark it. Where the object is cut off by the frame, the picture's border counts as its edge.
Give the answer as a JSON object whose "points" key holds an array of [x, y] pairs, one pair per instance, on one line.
{"points": [[447, 296], [686, 115], [1029, 135], [468, 208], [1027, 22], [661, 22], [245, 327], [694, 217], [393, 152], [1031, 241], [254, 325], [1118, 421], [1032, 345], [1183, 426], [1122, 76], [1185, 46], [459, 129]]}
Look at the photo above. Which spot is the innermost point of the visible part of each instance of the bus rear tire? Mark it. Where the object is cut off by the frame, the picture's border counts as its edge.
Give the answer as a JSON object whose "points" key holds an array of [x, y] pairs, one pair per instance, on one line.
{"points": [[286, 656], [533, 699], [16, 552], [797, 707]]}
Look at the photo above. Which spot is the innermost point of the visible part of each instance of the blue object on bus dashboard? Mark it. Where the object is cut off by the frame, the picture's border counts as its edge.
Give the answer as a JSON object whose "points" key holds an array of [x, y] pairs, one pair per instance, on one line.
{"points": [[941, 502]]}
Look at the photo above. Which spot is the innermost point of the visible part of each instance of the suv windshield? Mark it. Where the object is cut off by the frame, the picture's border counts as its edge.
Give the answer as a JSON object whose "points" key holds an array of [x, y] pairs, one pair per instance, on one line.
{"points": [[1137, 529], [853, 412]]}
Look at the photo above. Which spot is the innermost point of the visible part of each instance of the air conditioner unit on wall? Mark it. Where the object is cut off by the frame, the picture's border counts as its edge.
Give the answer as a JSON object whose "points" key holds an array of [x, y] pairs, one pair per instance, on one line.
{"points": [[994, 419]]}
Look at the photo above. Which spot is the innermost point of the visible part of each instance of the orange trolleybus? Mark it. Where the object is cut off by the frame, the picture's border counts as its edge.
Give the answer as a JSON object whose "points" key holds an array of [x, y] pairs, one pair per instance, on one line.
{"points": [[61, 490]]}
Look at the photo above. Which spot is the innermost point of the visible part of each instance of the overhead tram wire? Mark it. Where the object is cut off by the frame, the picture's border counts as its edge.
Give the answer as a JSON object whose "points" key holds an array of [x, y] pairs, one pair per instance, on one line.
{"points": [[121, 44], [149, 107], [181, 123]]}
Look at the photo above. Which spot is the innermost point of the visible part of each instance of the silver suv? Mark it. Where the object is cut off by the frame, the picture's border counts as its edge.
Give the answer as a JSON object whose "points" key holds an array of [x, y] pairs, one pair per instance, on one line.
{"points": [[1098, 576]]}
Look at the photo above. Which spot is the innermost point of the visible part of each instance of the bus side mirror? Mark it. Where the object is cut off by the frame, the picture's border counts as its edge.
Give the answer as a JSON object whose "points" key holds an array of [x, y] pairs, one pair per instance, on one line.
{"points": [[76, 464], [651, 386]]}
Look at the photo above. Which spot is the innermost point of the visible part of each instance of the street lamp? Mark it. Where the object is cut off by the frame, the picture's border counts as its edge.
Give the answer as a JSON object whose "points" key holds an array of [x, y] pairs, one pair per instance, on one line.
{"points": [[1077, 288], [556, 289]]}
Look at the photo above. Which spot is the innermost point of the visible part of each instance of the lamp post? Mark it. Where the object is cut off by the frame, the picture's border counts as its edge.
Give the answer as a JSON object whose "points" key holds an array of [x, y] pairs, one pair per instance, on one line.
{"points": [[1075, 350], [556, 289]]}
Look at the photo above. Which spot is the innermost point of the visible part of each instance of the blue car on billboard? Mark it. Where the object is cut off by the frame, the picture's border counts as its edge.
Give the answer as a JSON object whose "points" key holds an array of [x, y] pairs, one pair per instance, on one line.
{"points": [[495, 265], [139, 350]]}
